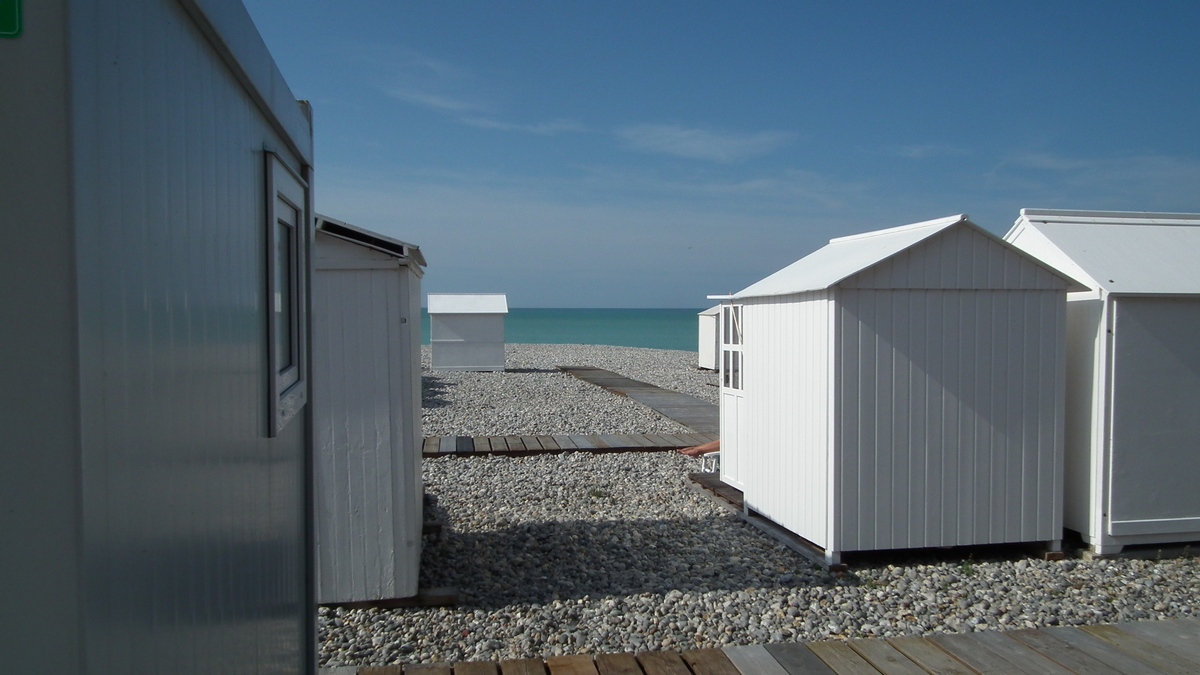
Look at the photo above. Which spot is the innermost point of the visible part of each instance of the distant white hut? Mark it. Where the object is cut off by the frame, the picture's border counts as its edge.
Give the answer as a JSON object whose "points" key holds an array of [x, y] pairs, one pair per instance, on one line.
{"points": [[1133, 370], [900, 389], [366, 337], [709, 338], [467, 330]]}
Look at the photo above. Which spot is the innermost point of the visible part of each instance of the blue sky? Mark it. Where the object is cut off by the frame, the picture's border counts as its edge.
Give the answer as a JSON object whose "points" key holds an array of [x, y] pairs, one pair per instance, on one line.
{"points": [[647, 154]]}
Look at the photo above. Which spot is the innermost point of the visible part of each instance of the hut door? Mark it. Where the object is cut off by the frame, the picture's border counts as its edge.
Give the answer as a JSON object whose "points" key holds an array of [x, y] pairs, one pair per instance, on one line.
{"points": [[731, 395], [1155, 416]]}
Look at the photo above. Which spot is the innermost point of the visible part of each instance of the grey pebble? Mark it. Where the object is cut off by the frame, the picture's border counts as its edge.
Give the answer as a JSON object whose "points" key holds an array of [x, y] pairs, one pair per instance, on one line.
{"points": [[578, 552]]}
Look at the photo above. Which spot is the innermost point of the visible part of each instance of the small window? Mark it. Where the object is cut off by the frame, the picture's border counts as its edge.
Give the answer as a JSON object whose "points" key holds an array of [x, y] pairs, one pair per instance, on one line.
{"points": [[287, 234], [731, 350]]}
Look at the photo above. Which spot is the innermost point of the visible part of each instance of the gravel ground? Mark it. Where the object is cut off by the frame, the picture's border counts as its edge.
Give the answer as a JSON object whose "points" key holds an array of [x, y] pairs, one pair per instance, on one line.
{"points": [[533, 398], [559, 554]]}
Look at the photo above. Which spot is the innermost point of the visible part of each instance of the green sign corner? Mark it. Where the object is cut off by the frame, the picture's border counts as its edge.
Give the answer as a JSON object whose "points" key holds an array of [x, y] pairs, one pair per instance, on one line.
{"points": [[10, 18]]}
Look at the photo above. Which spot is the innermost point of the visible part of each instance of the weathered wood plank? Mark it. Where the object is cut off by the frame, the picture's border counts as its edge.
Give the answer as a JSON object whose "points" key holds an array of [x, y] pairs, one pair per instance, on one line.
{"points": [[464, 444], [523, 667], [498, 443], [564, 442], [515, 444], [754, 659], [548, 443], [929, 656], [617, 664], [1061, 652], [708, 662], [429, 446], [1172, 634], [842, 659], [1099, 649], [611, 441], [579, 664], [885, 658], [531, 442], [582, 442], [1018, 653], [427, 669], [482, 443], [798, 659], [1143, 650], [446, 445], [475, 668], [380, 670], [978, 655], [662, 663]]}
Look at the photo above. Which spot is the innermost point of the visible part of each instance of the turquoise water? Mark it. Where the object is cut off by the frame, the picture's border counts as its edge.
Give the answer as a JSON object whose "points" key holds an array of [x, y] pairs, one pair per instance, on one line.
{"points": [[654, 328]]}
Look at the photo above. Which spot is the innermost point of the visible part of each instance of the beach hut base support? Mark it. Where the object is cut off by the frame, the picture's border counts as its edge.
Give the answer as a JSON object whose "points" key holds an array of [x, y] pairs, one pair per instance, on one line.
{"points": [[426, 597]]}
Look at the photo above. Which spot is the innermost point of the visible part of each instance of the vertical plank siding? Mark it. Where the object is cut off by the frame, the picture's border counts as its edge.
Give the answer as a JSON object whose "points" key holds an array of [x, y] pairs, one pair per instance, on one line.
{"points": [[194, 522], [950, 417], [786, 431]]}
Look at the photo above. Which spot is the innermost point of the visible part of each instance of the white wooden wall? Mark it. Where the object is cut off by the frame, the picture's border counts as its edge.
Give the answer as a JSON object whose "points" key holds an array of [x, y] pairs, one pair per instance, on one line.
{"points": [[368, 473], [467, 341], [950, 417], [785, 421]]}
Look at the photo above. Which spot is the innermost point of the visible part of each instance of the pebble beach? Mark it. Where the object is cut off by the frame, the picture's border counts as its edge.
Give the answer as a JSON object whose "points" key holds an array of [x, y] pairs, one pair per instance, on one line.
{"points": [[578, 552]]}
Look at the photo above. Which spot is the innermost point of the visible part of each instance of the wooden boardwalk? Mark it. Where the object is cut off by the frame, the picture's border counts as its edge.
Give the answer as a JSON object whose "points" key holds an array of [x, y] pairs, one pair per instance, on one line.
{"points": [[1169, 646], [435, 446], [699, 416]]}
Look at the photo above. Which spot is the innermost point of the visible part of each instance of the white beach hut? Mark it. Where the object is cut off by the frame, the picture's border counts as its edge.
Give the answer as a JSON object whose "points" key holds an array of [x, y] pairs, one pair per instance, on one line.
{"points": [[709, 337], [367, 413], [1133, 370], [901, 389], [467, 330]]}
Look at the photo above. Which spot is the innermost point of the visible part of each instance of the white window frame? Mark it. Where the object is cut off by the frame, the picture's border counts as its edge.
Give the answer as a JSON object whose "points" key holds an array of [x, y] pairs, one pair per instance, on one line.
{"points": [[731, 347], [287, 387]]}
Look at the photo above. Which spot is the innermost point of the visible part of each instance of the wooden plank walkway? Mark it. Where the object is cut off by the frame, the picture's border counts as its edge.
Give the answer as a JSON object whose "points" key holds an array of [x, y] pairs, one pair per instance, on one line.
{"points": [[1169, 646], [699, 416], [436, 446]]}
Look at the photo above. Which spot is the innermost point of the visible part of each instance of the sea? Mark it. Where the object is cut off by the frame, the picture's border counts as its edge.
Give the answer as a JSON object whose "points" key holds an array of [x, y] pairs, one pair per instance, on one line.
{"points": [[653, 328]]}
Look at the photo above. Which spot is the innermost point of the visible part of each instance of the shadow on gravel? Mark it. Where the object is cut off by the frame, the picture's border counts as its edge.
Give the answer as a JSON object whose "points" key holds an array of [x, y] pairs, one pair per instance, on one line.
{"points": [[546, 561], [433, 391]]}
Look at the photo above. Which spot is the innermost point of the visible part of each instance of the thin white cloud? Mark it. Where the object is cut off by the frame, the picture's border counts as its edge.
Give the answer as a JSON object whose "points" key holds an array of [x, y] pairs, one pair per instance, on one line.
{"points": [[927, 151], [672, 139], [432, 100], [427, 82], [543, 129]]}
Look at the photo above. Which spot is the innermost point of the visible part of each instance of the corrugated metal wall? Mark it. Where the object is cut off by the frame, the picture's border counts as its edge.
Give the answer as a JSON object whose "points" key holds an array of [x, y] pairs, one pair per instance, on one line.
{"points": [[786, 426], [194, 521], [367, 459], [950, 417]]}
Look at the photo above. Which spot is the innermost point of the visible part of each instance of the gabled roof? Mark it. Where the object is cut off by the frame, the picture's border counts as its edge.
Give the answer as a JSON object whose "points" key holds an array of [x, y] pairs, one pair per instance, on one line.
{"points": [[845, 256], [1119, 252], [468, 303], [373, 240]]}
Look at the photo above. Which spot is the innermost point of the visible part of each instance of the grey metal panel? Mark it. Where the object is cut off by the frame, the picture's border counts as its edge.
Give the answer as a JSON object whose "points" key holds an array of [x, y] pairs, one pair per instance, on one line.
{"points": [[194, 522], [228, 26], [1155, 416], [949, 419], [41, 556]]}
